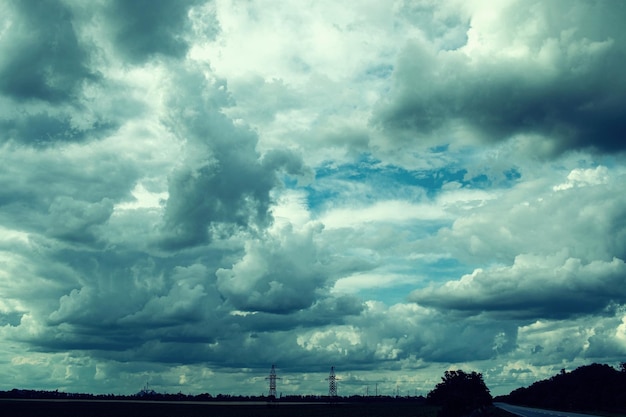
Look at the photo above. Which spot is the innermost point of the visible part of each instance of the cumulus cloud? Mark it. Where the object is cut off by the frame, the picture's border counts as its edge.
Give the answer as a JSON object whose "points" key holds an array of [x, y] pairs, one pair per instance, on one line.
{"points": [[546, 70], [144, 29], [534, 287], [584, 177], [401, 335], [223, 180], [281, 274], [43, 58], [517, 222], [65, 194], [47, 77]]}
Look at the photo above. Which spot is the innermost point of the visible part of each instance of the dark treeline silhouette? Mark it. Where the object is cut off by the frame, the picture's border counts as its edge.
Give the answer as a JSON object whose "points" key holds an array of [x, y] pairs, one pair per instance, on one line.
{"points": [[460, 394], [206, 397], [594, 387], [51, 395]]}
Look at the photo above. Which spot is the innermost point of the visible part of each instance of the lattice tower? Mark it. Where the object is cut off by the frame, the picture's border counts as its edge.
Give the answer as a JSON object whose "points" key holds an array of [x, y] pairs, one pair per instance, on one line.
{"points": [[332, 383], [272, 377]]}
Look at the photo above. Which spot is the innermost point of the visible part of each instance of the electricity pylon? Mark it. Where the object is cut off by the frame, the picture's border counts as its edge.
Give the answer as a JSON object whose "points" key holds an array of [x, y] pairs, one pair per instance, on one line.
{"points": [[332, 383], [272, 377]]}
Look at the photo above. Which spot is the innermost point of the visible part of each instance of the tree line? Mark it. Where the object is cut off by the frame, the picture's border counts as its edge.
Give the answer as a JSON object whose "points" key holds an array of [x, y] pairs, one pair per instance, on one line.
{"points": [[595, 387]]}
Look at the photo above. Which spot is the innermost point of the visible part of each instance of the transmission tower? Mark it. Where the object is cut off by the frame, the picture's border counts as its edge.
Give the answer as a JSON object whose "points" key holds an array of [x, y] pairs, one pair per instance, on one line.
{"points": [[272, 377], [332, 383]]}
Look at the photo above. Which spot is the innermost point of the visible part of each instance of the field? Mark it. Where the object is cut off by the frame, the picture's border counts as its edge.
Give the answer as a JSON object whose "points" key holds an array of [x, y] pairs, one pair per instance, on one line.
{"points": [[88, 408], [74, 408]]}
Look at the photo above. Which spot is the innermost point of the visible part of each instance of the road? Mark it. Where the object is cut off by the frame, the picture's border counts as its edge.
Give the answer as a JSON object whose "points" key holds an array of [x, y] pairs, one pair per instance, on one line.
{"points": [[537, 412]]}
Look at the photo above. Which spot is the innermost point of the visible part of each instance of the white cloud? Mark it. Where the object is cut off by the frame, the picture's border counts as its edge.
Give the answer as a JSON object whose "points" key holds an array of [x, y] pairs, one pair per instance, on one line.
{"points": [[583, 177], [143, 199], [338, 340], [291, 208], [371, 280], [384, 211]]}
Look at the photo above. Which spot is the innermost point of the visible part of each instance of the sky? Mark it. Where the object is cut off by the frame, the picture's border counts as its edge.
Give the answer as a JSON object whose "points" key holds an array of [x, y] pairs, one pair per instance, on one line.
{"points": [[191, 192]]}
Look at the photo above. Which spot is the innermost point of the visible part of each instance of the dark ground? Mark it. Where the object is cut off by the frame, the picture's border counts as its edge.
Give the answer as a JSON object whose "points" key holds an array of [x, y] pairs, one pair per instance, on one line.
{"points": [[69, 408]]}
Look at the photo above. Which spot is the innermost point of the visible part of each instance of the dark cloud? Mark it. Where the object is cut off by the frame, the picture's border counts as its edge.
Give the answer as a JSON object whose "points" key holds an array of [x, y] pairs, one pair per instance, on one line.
{"points": [[533, 288], [145, 28], [124, 302], [11, 318], [489, 339], [74, 220], [326, 310], [52, 89], [41, 55], [66, 194], [567, 87], [170, 314], [44, 129], [223, 182], [228, 192]]}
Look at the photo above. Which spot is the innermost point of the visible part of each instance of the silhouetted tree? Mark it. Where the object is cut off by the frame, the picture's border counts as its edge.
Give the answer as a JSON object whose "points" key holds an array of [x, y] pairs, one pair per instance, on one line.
{"points": [[587, 388], [459, 393]]}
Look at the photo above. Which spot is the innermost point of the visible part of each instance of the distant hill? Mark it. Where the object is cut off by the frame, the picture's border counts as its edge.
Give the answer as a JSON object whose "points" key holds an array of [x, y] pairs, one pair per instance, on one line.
{"points": [[593, 387]]}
